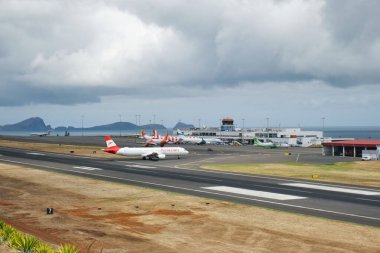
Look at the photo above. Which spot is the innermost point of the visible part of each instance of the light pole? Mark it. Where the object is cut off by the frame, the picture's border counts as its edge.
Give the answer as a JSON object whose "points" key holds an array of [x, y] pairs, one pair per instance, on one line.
{"points": [[82, 116], [199, 123], [139, 116], [267, 123], [154, 118], [242, 132], [120, 123], [323, 124]]}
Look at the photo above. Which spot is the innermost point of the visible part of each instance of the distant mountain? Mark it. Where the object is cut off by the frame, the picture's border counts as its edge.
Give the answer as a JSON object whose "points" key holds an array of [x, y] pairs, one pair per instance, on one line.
{"points": [[37, 124], [31, 124], [62, 128], [112, 127], [152, 126], [183, 125]]}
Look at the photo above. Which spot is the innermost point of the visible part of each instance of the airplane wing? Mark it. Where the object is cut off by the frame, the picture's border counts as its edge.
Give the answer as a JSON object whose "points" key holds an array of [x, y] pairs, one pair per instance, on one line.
{"points": [[150, 142]]}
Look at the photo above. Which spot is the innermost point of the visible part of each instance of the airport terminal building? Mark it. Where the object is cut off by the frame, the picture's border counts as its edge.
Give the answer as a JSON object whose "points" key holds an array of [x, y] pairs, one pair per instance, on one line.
{"points": [[228, 132]]}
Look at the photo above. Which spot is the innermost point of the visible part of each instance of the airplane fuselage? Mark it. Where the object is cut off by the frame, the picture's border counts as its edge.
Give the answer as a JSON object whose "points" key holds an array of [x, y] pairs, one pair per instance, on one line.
{"points": [[167, 151]]}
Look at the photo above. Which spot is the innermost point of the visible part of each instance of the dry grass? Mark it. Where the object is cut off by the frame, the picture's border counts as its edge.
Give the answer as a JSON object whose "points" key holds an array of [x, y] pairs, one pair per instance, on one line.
{"points": [[357, 173], [121, 218], [59, 148]]}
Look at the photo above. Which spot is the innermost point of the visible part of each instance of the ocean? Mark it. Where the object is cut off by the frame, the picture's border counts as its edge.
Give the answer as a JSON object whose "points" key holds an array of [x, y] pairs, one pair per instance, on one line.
{"points": [[336, 132], [364, 132]]}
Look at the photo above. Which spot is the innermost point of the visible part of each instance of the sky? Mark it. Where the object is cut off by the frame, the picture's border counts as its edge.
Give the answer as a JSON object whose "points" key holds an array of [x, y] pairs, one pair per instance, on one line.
{"points": [[288, 62]]}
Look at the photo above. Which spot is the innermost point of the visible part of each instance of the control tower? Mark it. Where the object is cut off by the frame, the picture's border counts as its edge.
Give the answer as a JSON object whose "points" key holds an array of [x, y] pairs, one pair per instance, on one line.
{"points": [[227, 125]]}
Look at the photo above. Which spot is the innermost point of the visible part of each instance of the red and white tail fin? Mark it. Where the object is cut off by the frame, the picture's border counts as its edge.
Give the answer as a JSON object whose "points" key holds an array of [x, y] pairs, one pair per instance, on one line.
{"points": [[165, 139], [111, 145], [155, 134]]}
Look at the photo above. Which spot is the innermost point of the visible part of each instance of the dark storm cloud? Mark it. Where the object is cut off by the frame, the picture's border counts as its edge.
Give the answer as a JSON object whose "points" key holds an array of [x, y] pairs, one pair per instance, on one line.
{"points": [[24, 94], [72, 52]]}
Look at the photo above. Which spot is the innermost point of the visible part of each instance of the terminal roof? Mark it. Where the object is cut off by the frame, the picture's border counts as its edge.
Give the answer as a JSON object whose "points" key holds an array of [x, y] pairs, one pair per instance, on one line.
{"points": [[362, 143]]}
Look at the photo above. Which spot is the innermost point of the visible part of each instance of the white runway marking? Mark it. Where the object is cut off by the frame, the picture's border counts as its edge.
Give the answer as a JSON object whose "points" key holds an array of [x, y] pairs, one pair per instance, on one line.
{"points": [[32, 153], [86, 168], [140, 166], [260, 194], [195, 190], [332, 188]]}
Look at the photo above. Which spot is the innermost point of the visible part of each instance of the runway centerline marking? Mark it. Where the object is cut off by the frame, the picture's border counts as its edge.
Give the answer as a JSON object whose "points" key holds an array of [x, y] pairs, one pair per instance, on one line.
{"points": [[140, 166], [248, 192], [85, 168], [34, 153], [332, 188]]}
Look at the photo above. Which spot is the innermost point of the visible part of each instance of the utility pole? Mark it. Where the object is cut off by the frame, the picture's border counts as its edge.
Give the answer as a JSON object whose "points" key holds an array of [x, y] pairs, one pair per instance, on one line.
{"points": [[120, 123], [139, 117], [242, 134], [323, 125], [82, 116]]}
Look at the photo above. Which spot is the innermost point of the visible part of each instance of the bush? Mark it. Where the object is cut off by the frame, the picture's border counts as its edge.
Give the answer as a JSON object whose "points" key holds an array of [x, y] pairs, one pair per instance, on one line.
{"points": [[27, 243], [7, 232], [43, 248], [24, 243], [67, 249], [2, 224]]}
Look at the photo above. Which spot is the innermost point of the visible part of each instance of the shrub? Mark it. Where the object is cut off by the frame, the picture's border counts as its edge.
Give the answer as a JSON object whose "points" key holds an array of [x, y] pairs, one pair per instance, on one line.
{"points": [[2, 224], [24, 243], [7, 232], [67, 249], [43, 248]]}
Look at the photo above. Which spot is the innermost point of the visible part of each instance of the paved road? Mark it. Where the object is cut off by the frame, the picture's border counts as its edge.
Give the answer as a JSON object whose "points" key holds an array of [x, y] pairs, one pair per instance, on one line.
{"points": [[354, 204]]}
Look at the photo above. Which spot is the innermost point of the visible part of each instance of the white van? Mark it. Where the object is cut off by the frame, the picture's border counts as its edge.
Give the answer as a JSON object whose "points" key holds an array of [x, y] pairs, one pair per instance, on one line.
{"points": [[366, 158]]}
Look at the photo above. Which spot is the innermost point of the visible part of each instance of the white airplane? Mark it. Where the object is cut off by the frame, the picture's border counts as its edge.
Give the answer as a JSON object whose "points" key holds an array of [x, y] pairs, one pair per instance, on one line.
{"points": [[145, 153], [152, 140], [213, 141], [41, 134], [189, 139], [197, 140]]}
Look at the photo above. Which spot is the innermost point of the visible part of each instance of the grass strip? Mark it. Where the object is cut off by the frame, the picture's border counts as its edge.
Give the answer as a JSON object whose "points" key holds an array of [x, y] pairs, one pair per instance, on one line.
{"points": [[356, 173]]}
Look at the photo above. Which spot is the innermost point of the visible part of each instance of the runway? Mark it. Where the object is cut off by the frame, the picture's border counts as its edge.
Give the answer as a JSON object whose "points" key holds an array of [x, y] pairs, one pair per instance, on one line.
{"points": [[346, 203]]}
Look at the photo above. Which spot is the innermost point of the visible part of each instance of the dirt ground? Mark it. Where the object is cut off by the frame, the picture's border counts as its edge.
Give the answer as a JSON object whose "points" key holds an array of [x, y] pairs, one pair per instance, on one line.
{"points": [[5, 249], [121, 218]]}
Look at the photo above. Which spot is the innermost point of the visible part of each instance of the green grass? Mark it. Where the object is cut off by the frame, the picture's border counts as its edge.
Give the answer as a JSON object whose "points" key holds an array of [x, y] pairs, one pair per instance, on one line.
{"points": [[24, 243], [357, 173]]}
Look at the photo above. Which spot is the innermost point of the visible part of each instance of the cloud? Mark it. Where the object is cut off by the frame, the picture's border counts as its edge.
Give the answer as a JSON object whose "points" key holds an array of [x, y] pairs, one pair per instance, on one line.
{"points": [[69, 52]]}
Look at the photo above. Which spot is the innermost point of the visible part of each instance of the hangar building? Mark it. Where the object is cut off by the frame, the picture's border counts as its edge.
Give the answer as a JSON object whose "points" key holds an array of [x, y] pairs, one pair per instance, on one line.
{"points": [[349, 147]]}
